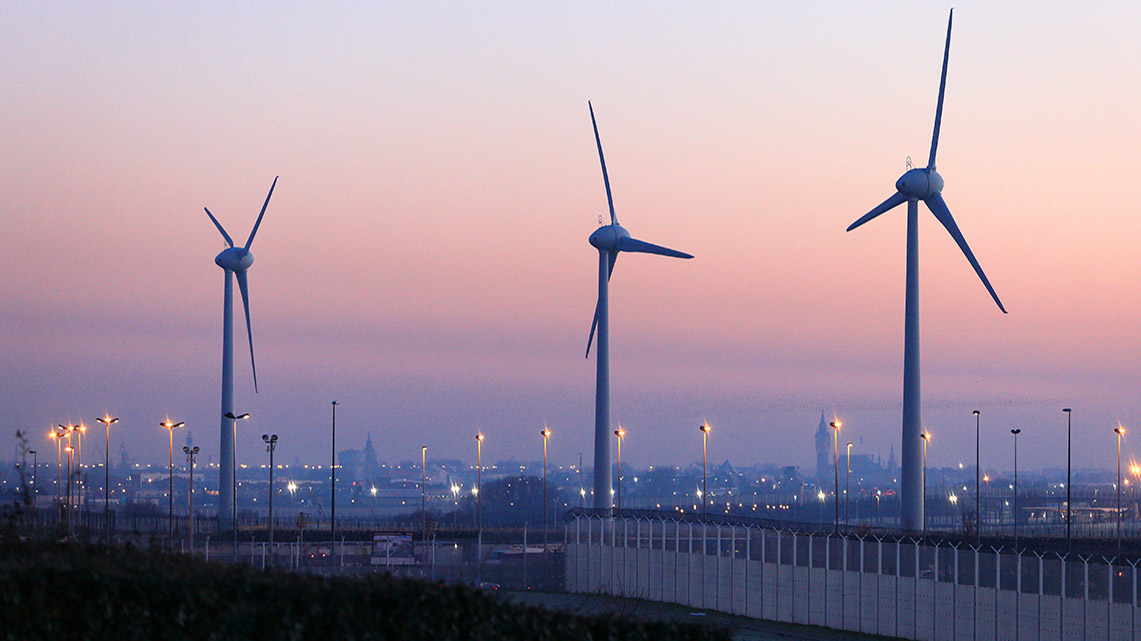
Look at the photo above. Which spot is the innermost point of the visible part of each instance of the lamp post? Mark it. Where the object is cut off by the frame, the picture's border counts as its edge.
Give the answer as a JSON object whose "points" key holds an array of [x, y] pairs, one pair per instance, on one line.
{"points": [[546, 434], [80, 430], [270, 445], [55, 436], [1016, 432], [705, 429], [620, 433], [333, 488], [926, 436], [234, 418], [1069, 513], [35, 467], [424, 493], [1120, 431], [107, 420], [847, 488], [978, 485], [836, 425], [479, 483], [191, 453], [65, 432], [170, 425]]}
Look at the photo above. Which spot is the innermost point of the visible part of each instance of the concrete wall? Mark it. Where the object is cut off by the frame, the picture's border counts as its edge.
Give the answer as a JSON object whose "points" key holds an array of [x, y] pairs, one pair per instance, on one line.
{"points": [[893, 587]]}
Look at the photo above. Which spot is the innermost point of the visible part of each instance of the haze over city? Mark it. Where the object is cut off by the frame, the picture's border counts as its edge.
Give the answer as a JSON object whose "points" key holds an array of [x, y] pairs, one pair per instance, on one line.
{"points": [[424, 259]]}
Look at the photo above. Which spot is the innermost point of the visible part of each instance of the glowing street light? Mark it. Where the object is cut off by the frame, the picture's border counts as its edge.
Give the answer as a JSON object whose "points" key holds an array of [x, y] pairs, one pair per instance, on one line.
{"points": [[478, 482], [836, 425], [107, 420], [546, 434], [705, 429], [170, 425], [847, 487], [620, 433]]}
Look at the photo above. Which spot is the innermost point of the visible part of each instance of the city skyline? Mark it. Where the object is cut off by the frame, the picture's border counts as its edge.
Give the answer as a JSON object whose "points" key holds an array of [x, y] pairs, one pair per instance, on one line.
{"points": [[427, 263]]}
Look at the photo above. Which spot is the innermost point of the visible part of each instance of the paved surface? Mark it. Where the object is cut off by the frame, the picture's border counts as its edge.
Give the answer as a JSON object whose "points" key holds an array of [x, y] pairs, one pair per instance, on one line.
{"points": [[743, 628]]}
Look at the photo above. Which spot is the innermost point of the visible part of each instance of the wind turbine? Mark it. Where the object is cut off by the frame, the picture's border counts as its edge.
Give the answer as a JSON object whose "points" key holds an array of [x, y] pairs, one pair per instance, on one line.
{"points": [[920, 184], [234, 261], [609, 240]]}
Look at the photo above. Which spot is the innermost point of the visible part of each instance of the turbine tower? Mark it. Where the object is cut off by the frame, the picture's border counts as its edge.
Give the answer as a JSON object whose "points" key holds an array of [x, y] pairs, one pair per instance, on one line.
{"points": [[609, 240], [234, 261], [920, 184]]}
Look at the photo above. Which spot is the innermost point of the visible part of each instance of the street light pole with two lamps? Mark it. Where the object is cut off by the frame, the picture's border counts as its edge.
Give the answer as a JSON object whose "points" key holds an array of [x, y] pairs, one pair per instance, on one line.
{"points": [[270, 441], [621, 434], [1016, 432], [836, 425], [234, 418], [191, 454], [926, 436]]}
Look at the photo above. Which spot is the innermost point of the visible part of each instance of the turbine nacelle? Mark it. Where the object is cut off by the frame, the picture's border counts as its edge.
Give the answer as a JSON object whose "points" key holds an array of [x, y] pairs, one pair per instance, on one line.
{"points": [[235, 259], [919, 183], [608, 237]]}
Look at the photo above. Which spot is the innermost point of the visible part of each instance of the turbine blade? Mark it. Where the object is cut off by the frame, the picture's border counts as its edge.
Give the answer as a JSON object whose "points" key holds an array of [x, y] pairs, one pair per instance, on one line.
{"points": [[627, 244], [895, 200], [217, 224], [258, 223], [602, 159], [613, 257], [593, 326], [249, 332], [938, 207], [942, 87]]}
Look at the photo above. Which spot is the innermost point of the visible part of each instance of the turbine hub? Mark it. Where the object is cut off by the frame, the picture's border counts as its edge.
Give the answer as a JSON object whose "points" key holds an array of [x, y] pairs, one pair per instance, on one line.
{"points": [[235, 259], [606, 238], [919, 183]]}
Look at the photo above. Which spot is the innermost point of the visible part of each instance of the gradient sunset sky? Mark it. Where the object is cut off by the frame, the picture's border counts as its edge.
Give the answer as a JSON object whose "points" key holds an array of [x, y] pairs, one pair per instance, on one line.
{"points": [[424, 259]]}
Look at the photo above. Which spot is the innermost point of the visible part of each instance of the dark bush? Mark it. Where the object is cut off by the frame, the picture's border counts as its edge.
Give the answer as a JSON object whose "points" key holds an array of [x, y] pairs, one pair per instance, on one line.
{"points": [[63, 592]]}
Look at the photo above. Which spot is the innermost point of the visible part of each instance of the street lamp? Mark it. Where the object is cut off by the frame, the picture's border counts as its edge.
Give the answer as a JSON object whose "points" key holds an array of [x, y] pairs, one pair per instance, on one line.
{"points": [[836, 425], [191, 453], [546, 434], [234, 418], [1120, 431], [333, 488], [170, 425], [424, 493], [479, 483], [847, 488], [106, 420], [455, 506], [35, 468], [1069, 513], [270, 445], [55, 436], [65, 432], [620, 433], [80, 430], [978, 485], [705, 429], [1016, 432], [926, 436]]}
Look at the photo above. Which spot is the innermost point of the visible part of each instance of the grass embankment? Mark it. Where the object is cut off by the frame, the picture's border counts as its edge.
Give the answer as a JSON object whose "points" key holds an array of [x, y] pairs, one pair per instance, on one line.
{"points": [[64, 592]]}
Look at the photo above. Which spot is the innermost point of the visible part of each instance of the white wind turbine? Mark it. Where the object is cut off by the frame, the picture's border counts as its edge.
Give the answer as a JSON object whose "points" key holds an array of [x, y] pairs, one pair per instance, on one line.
{"points": [[920, 184], [609, 240], [234, 261]]}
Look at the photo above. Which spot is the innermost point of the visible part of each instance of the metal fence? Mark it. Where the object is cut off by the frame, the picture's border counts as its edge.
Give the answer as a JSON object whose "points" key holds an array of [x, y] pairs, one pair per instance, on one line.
{"points": [[876, 583]]}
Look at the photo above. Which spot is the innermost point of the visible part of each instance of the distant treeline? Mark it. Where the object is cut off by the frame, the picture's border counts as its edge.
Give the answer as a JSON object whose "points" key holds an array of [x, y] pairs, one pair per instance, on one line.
{"points": [[73, 591]]}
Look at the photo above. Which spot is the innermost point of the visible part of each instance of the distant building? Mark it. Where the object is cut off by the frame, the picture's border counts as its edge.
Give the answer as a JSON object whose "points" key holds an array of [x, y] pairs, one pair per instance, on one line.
{"points": [[359, 465], [824, 448]]}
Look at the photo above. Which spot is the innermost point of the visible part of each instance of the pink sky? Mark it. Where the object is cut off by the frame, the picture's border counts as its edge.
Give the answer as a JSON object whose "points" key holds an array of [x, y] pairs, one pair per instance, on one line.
{"points": [[424, 259]]}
